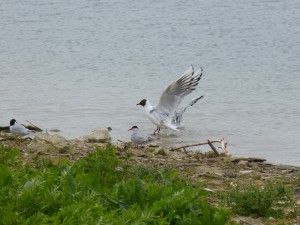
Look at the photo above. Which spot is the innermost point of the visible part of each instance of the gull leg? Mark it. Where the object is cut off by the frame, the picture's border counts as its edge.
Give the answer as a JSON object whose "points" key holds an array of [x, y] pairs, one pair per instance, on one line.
{"points": [[156, 130]]}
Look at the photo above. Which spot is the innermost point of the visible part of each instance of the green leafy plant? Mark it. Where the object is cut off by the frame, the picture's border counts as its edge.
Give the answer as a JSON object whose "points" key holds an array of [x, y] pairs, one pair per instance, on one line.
{"points": [[258, 201], [8, 155], [100, 189]]}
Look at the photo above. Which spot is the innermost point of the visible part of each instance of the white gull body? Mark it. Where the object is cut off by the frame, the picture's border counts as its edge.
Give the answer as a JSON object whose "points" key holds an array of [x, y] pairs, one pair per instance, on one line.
{"points": [[138, 138], [18, 129], [166, 113]]}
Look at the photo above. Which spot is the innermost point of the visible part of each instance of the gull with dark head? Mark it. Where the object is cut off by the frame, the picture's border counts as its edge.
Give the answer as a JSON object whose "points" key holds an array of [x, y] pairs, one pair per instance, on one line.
{"points": [[18, 129], [138, 138], [166, 113]]}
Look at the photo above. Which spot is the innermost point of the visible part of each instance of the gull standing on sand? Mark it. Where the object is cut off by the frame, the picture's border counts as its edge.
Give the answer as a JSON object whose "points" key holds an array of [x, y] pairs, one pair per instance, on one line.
{"points": [[166, 114], [18, 129], [138, 138]]}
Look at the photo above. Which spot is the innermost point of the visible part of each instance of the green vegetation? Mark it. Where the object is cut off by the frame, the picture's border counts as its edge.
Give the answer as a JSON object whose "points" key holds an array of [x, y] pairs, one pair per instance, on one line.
{"points": [[98, 189], [110, 187], [258, 201]]}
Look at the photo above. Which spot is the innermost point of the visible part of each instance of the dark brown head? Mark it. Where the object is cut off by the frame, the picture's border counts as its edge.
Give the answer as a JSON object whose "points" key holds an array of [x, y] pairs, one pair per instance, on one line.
{"points": [[142, 103]]}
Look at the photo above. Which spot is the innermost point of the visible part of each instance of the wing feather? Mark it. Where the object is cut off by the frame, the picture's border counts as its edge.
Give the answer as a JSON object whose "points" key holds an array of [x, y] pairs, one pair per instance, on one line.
{"points": [[177, 90]]}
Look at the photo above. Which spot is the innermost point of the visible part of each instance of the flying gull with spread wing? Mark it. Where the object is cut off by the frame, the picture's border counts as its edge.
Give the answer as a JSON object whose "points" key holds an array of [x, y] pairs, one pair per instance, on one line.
{"points": [[166, 113]]}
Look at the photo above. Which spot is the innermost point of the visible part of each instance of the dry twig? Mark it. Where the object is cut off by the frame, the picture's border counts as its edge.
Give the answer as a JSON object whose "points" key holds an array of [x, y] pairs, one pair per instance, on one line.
{"points": [[208, 142]]}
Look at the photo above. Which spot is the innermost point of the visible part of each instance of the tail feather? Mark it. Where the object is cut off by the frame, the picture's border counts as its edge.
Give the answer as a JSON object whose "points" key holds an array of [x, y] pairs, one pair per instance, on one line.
{"points": [[170, 124], [178, 115]]}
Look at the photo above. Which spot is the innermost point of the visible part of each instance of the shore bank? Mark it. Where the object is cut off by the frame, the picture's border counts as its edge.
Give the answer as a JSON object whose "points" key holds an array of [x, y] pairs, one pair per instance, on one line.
{"points": [[218, 173]]}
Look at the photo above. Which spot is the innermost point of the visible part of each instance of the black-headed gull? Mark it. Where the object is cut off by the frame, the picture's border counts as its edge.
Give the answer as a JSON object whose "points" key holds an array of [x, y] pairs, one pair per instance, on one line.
{"points": [[137, 137], [18, 129], [166, 113]]}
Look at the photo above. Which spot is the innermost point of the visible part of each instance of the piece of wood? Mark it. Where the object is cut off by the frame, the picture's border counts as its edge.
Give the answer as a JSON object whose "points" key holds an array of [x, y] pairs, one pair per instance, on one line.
{"points": [[32, 127], [249, 159], [192, 145], [223, 145], [14, 138], [5, 128], [213, 147], [8, 139], [124, 142]]}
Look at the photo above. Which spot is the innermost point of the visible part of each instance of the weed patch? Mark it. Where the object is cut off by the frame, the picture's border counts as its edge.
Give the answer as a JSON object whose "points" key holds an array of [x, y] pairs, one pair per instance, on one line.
{"points": [[99, 189], [259, 201]]}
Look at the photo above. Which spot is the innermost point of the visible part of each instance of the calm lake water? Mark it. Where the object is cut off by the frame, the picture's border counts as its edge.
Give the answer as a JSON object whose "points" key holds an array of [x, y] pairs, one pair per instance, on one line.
{"points": [[80, 65]]}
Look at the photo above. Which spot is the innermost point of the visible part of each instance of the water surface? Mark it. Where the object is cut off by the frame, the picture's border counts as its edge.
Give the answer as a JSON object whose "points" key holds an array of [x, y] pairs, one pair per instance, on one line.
{"points": [[81, 65]]}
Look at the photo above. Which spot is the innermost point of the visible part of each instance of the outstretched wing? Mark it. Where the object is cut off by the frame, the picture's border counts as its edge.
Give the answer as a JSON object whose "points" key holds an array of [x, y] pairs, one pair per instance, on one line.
{"points": [[177, 90], [178, 115]]}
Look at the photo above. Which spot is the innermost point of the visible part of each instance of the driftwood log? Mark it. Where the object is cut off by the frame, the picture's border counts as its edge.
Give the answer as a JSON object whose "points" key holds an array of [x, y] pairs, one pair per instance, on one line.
{"points": [[208, 142], [248, 159], [15, 138], [5, 129], [33, 127]]}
